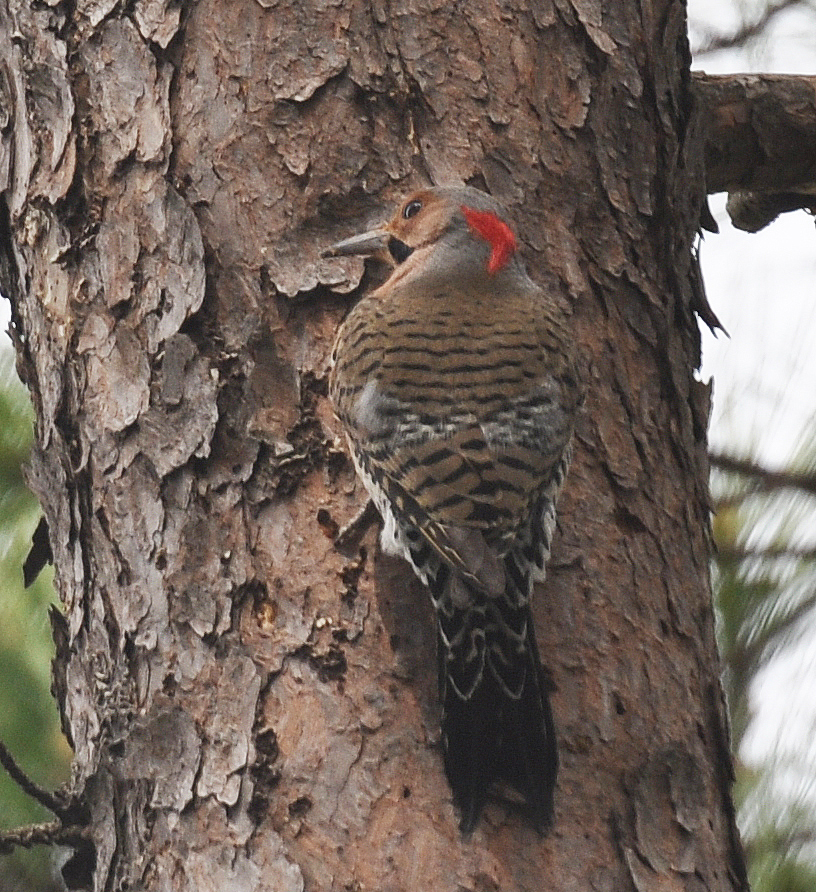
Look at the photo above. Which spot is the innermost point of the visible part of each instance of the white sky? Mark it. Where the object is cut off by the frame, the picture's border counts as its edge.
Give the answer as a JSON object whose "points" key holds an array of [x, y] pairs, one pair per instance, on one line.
{"points": [[762, 288]]}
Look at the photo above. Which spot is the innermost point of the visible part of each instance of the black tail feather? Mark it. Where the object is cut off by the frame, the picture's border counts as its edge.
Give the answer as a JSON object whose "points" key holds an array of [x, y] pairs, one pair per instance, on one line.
{"points": [[493, 737]]}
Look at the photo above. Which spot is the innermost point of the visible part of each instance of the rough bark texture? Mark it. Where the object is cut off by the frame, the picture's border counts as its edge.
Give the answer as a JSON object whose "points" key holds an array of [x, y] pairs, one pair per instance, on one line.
{"points": [[760, 131], [252, 709]]}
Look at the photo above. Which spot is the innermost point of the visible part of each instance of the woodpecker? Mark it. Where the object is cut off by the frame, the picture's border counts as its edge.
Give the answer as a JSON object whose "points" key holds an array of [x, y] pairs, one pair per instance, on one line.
{"points": [[458, 388]]}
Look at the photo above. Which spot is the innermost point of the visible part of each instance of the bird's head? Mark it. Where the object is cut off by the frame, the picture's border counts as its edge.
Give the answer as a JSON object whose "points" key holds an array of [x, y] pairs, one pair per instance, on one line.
{"points": [[441, 231]]}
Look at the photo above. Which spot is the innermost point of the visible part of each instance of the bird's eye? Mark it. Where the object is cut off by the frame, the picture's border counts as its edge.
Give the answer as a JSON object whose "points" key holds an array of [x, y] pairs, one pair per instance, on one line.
{"points": [[411, 209]]}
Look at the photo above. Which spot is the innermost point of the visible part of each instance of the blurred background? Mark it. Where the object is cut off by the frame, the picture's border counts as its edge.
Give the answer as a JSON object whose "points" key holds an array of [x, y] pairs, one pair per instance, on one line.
{"points": [[29, 725], [762, 439], [763, 445]]}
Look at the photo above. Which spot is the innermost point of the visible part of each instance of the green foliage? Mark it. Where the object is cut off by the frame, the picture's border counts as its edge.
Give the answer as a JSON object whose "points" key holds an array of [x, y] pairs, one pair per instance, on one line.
{"points": [[29, 725], [773, 870], [765, 593]]}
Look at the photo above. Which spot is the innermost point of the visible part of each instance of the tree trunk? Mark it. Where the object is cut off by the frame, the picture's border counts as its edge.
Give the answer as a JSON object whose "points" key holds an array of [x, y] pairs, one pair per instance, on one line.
{"points": [[252, 708]]}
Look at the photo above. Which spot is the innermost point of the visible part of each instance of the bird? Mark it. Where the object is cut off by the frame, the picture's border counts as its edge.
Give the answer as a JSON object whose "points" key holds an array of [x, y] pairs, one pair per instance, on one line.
{"points": [[457, 383]]}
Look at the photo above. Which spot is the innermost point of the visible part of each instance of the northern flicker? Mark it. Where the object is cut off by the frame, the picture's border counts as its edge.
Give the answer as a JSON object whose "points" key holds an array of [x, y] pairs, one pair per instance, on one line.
{"points": [[458, 389]]}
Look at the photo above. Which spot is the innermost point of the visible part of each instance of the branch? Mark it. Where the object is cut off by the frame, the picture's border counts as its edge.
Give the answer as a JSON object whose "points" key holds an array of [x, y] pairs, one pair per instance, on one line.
{"points": [[741, 552], [777, 633], [50, 834], [748, 30], [70, 828], [765, 477], [49, 800], [760, 132]]}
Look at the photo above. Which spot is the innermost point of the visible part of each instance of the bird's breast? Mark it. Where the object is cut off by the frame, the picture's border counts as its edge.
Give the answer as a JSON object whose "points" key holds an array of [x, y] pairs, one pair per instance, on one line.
{"points": [[438, 354]]}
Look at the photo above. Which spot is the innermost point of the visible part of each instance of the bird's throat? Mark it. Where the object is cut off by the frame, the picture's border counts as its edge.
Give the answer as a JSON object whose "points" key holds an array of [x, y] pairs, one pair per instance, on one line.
{"points": [[399, 250]]}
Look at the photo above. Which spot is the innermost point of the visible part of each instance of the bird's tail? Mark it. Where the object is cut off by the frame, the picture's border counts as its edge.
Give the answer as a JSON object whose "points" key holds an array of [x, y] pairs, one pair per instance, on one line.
{"points": [[497, 721]]}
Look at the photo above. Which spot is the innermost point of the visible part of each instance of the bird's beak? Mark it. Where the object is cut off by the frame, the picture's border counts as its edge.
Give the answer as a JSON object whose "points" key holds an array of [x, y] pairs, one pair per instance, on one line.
{"points": [[365, 244]]}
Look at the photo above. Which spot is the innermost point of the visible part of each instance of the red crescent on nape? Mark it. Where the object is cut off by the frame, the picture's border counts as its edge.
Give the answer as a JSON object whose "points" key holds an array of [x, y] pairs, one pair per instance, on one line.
{"points": [[495, 232]]}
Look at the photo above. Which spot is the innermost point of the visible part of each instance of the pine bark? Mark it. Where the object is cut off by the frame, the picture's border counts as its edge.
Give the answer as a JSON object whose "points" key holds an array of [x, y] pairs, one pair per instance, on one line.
{"points": [[252, 708]]}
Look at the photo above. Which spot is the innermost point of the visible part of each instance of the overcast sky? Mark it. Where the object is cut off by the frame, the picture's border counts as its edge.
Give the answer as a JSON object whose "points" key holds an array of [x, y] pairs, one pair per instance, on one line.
{"points": [[762, 288]]}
